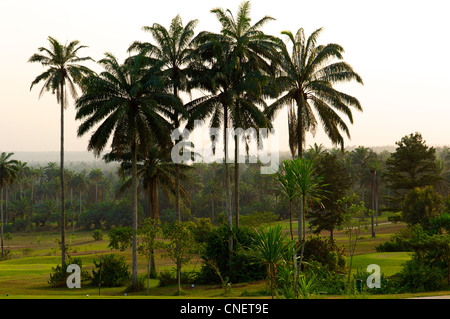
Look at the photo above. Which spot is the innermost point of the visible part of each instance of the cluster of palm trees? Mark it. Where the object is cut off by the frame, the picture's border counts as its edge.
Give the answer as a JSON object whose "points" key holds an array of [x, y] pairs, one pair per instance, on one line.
{"points": [[31, 193], [135, 105]]}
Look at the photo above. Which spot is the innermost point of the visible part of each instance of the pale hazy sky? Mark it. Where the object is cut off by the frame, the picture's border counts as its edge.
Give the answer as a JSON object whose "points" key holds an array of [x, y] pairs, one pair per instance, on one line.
{"points": [[400, 48]]}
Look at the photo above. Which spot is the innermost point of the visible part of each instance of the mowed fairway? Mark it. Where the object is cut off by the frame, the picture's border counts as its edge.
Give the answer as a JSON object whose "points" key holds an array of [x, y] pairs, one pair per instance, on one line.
{"points": [[33, 255]]}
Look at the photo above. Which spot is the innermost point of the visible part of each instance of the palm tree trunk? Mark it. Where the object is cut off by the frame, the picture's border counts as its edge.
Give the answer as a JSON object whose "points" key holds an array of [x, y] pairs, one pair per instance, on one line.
{"points": [[134, 193], [236, 179], [227, 187], [300, 127], [1, 216], [155, 205], [63, 208], [177, 192], [212, 208], [290, 219]]}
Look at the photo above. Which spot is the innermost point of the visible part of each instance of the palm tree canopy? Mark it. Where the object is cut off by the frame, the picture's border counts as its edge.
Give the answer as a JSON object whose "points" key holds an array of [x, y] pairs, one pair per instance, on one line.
{"points": [[8, 169], [63, 67], [128, 102], [306, 79]]}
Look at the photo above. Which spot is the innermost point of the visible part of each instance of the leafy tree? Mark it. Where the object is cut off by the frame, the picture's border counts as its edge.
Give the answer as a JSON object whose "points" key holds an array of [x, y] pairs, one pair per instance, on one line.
{"points": [[63, 69], [336, 182], [353, 224], [120, 237], [8, 173], [306, 80], [420, 205], [413, 164], [181, 245], [148, 233]]}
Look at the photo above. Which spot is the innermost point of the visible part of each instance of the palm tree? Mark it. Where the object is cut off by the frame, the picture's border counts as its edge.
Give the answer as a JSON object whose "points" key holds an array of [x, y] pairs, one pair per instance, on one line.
{"points": [[285, 179], [212, 188], [63, 70], [174, 50], [8, 173], [306, 80], [125, 100], [80, 184], [251, 52], [96, 175]]}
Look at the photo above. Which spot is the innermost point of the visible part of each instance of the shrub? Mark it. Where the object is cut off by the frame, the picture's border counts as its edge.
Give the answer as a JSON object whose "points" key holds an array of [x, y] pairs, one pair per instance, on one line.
{"points": [[201, 229], [112, 271], [325, 280], [325, 251], [98, 234], [244, 266], [169, 277], [415, 277], [59, 274], [420, 205]]}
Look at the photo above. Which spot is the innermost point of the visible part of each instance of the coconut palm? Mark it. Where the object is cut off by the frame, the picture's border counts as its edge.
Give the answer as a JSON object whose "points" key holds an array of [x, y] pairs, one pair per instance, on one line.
{"points": [[251, 52], [80, 185], [127, 102], [174, 49], [8, 173], [63, 70], [96, 175], [213, 190], [306, 80], [155, 171]]}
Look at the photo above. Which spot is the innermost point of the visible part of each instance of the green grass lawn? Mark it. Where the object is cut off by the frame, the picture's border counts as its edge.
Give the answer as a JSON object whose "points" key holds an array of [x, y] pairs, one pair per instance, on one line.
{"points": [[33, 255]]}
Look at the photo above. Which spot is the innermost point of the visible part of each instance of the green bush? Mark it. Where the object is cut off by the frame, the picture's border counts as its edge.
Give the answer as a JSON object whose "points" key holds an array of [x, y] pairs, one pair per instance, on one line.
{"points": [[244, 266], [420, 205], [59, 274], [169, 277], [98, 234], [112, 271], [326, 252], [415, 277], [325, 280], [201, 229]]}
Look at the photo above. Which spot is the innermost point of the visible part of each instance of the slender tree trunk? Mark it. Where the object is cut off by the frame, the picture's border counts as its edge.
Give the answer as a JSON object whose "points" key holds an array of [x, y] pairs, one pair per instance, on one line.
{"points": [[300, 127], [290, 219], [212, 208], [155, 205], [134, 193], [236, 179], [63, 199], [1, 216], [227, 188]]}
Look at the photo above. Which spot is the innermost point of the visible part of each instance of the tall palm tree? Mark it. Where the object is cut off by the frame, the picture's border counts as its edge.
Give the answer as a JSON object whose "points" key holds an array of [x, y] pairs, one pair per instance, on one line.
{"points": [[229, 67], [80, 184], [306, 80], [8, 173], [174, 49], [212, 188], [96, 175], [128, 102], [251, 53], [63, 69]]}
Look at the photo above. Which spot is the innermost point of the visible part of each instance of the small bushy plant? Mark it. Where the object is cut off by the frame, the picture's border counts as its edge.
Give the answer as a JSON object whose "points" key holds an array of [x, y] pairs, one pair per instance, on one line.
{"points": [[98, 234], [59, 274], [112, 271]]}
